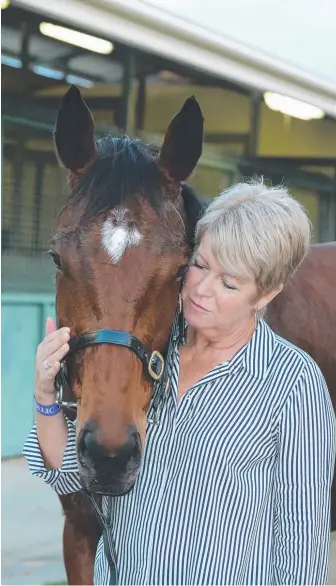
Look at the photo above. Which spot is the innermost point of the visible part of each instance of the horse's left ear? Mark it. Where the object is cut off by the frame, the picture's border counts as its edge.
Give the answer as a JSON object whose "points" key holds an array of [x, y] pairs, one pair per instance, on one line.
{"points": [[74, 132], [183, 142]]}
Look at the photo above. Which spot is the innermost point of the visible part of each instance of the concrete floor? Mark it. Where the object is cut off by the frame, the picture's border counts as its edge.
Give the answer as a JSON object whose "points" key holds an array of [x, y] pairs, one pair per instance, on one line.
{"points": [[31, 531], [32, 525]]}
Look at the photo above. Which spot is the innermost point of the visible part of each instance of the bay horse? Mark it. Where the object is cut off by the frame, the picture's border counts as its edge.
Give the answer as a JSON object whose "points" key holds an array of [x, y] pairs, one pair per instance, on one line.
{"points": [[121, 241]]}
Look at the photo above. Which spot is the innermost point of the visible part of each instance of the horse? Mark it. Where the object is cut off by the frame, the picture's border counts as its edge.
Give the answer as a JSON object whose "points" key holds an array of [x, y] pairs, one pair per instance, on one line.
{"points": [[305, 314], [121, 243]]}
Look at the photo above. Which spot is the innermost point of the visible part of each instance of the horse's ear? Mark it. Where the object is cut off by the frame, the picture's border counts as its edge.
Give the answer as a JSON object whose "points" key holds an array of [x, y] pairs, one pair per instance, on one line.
{"points": [[74, 132], [183, 142]]}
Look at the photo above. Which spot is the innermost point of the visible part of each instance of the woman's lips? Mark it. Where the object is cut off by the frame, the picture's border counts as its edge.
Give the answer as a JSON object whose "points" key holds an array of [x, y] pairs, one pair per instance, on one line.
{"points": [[197, 306]]}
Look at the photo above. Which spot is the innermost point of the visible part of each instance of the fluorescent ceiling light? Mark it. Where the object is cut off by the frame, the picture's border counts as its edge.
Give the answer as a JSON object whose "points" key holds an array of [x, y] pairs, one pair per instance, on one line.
{"points": [[77, 80], [292, 107], [48, 72], [72, 37], [11, 61], [5, 4]]}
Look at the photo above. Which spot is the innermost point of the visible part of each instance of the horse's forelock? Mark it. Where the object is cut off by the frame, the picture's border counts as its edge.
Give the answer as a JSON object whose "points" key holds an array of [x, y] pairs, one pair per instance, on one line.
{"points": [[125, 168]]}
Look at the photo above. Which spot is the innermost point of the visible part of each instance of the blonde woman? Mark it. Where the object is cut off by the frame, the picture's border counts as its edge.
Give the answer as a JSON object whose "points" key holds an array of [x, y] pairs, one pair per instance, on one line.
{"points": [[235, 483]]}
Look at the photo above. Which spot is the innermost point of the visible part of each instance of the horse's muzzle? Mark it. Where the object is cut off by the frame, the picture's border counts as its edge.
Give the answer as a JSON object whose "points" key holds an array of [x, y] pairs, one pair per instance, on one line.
{"points": [[108, 473]]}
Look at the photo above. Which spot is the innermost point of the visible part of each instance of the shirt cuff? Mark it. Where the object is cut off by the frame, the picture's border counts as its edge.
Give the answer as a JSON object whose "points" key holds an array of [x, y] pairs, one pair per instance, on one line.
{"points": [[64, 479]]}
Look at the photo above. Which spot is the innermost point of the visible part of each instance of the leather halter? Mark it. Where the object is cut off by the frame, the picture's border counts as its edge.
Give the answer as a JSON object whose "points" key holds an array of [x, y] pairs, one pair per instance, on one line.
{"points": [[152, 361]]}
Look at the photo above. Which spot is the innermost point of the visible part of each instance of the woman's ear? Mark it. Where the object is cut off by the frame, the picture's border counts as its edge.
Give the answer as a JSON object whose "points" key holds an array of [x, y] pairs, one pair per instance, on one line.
{"points": [[266, 298]]}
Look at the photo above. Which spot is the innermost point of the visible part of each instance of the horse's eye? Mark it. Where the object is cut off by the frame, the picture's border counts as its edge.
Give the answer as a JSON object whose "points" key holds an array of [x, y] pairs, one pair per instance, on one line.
{"points": [[56, 259]]}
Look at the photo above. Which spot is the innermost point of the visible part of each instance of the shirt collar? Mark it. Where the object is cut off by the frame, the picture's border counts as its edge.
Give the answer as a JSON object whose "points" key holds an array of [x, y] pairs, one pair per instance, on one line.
{"points": [[254, 357], [257, 354]]}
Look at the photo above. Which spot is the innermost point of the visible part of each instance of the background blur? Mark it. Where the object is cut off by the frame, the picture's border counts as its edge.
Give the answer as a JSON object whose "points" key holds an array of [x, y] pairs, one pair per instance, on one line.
{"points": [[264, 75]]}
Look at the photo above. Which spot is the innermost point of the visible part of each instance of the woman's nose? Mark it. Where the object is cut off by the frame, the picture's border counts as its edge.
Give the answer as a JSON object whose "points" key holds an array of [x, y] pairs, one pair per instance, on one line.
{"points": [[204, 286]]}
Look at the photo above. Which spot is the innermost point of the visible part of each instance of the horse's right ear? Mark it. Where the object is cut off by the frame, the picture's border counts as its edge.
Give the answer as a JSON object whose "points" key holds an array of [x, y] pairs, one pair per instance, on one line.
{"points": [[183, 142], [74, 132]]}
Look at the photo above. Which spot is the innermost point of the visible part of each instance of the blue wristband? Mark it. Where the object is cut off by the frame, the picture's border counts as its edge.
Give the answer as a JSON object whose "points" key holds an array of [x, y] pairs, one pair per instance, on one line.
{"points": [[47, 410]]}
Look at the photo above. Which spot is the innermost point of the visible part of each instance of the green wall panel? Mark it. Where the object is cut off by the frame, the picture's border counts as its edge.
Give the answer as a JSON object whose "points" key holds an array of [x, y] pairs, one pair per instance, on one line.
{"points": [[22, 328]]}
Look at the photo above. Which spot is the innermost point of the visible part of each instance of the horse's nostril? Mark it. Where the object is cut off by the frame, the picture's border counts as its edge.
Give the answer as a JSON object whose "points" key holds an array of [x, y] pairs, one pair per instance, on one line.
{"points": [[88, 446], [92, 447], [131, 448], [89, 449]]}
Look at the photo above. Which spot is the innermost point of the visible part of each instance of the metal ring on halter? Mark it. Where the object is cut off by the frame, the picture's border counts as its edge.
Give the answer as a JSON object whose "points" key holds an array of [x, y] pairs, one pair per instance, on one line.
{"points": [[61, 403], [46, 365], [60, 381]]}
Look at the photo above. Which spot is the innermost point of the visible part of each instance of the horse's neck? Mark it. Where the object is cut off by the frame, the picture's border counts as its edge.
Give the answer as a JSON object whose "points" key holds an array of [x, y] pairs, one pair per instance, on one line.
{"points": [[193, 208]]}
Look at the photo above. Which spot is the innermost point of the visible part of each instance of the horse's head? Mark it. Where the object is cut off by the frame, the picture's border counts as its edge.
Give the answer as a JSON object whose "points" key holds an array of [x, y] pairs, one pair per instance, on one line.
{"points": [[120, 242]]}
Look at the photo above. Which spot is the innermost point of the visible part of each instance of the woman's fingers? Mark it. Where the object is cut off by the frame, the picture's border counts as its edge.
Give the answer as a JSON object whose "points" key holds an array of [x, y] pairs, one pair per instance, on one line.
{"points": [[50, 326], [48, 372], [49, 346], [56, 356], [49, 354], [55, 334]]}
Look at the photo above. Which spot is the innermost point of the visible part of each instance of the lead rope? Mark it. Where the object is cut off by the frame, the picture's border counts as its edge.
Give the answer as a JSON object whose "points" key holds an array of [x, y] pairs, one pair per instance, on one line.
{"points": [[106, 526]]}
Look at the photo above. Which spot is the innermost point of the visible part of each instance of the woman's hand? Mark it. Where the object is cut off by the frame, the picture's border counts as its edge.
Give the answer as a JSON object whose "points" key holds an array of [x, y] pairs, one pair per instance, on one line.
{"points": [[48, 361]]}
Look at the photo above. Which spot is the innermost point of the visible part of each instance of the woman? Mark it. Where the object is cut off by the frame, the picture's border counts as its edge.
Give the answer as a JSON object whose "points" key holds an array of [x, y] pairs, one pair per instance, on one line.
{"points": [[235, 483]]}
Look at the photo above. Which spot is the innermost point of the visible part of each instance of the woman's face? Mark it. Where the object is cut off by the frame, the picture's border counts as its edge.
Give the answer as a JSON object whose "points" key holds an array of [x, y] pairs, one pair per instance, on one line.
{"points": [[215, 300]]}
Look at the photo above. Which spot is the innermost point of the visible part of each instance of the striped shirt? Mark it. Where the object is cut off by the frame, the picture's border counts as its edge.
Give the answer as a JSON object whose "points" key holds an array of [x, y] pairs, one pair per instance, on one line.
{"points": [[235, 482]]}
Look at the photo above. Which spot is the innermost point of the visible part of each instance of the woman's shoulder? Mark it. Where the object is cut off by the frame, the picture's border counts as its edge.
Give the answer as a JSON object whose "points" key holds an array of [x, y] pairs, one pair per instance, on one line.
{"points": [[288, 351], [278, 352], [294, 366], [295, 378]]}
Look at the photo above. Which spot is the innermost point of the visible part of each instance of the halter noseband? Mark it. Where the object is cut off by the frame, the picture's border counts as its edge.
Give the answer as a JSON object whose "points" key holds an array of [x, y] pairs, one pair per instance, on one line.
{"points": [[152, 361]]}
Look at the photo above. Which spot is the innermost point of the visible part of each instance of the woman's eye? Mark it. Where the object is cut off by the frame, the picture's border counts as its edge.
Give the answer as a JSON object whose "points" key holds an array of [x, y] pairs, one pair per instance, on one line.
{"points": [[56, 259], [197, 265], [228, 286]]}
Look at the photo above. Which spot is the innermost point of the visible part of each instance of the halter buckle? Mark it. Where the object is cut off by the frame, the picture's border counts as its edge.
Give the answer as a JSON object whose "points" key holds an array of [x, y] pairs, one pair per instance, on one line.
{"points": [[156, 365]]}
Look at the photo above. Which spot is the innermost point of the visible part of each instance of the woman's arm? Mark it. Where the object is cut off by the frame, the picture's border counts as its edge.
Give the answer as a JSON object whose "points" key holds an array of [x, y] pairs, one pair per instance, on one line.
{"points": [[303, 481], [64, 479], [50, 448]]}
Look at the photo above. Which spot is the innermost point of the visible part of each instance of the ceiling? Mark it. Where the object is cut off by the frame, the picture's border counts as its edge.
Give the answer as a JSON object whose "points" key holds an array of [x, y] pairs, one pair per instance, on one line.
{"points": [[298, 32]]}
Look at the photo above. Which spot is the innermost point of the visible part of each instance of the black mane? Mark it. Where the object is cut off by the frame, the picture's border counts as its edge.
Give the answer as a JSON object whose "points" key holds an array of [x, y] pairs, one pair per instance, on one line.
{"points": [[194, 208], [125, 167]]}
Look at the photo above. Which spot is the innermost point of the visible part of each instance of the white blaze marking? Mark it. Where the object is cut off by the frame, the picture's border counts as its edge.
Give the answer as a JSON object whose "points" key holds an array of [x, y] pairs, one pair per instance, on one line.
{"points": [[118, 235]]}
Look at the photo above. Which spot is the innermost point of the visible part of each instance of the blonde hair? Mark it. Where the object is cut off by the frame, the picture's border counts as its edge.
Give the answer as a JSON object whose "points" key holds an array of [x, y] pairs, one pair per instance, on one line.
{"points": [[257, 232]]}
